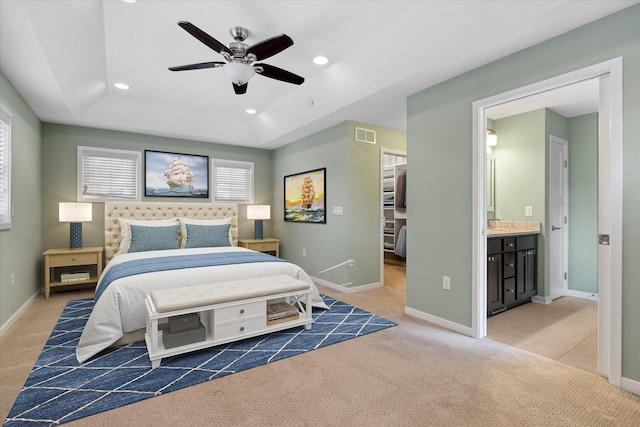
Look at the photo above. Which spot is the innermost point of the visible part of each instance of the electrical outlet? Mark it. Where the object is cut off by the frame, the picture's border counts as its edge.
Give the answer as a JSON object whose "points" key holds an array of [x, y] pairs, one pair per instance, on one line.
{"points": [[528, 211], [446, 283], [304, 252], [13, 279]]}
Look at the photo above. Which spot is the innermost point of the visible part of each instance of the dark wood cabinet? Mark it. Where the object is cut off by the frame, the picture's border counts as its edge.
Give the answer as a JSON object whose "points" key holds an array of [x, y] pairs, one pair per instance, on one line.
{"points": [[495, 294], [511, 271]]}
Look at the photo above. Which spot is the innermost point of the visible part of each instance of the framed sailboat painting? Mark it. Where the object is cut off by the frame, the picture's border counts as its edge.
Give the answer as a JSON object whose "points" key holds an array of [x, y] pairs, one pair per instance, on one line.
{"points": [[304, 197], [175, 175]]}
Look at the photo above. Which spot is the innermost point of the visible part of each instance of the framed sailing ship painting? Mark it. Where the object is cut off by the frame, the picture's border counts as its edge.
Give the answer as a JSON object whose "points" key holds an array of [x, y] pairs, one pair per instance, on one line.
{"points": [[175, 175], [304, 197]]}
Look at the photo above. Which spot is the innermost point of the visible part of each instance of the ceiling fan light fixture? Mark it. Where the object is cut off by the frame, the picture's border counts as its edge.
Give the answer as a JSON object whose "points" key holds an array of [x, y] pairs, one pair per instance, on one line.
{"points": [[320, 60], [238, 72]]}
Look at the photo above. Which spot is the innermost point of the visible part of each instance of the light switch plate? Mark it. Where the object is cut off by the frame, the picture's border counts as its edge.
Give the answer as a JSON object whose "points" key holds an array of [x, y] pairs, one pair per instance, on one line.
{"points": [[528, 211], [337, 210]]}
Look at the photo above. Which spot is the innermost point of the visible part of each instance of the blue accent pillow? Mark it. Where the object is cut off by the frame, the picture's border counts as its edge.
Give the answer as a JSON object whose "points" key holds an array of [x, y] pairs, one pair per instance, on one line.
{"points": [[207, 236], [153, 238]]}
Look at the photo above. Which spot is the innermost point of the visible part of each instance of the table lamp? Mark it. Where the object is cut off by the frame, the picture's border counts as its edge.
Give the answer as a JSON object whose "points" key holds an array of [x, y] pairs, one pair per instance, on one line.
{"points": [[76, 214], [258, 213]]}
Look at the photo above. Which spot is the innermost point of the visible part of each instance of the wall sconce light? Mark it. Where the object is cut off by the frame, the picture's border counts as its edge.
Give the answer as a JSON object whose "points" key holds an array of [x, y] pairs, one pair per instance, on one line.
{"points": [[258, 213], [492, 138], [76, 214]]}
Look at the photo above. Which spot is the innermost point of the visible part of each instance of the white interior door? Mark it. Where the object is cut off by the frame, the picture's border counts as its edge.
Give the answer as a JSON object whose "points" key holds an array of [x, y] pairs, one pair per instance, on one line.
{"points": [[558, 236]]}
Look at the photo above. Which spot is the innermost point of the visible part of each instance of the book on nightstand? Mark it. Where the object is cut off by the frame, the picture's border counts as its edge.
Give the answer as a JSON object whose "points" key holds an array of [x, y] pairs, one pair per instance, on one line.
{"points": [[74, 277]]}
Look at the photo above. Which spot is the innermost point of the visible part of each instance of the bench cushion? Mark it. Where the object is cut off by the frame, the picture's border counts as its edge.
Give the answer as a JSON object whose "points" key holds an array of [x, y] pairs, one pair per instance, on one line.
{"points": [[166, 300]]}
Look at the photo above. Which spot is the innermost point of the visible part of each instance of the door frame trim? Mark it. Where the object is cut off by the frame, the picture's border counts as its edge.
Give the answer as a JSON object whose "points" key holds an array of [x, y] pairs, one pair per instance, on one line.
{"points": [[611, 302]]}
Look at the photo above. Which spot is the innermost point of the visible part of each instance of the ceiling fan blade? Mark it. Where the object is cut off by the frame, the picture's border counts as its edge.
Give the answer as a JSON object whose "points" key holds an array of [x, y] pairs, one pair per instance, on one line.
{"points": [[198, 66], [269, 47], [204, 37], [278, 74], [241, 89]]}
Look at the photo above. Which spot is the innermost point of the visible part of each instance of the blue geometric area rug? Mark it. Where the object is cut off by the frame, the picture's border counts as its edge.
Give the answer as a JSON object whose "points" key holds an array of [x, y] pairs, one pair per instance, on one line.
{"points": [[59, 389]]}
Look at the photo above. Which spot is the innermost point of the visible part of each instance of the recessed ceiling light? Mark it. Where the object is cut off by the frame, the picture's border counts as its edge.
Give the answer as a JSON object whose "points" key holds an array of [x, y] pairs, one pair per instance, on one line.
{"points": [[121, 86], [129, 1], [320, 60], [250, 111]]}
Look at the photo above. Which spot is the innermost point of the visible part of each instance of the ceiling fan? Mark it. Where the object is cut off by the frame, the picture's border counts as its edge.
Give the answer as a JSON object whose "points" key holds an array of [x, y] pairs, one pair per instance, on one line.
{"points": [[240, 57]]}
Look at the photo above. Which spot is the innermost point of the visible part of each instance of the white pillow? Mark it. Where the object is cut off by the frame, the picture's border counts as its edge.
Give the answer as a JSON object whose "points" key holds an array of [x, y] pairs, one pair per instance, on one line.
{"points": [[125, 229], [183, 228]]}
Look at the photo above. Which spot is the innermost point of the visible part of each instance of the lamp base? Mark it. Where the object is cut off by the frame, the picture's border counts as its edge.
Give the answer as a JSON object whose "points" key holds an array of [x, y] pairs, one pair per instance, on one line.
{"points": [[75, 235], [258, 229]]}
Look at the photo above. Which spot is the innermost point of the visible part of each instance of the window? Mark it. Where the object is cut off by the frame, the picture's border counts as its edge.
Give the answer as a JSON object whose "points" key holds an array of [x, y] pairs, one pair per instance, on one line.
{"points": [[106, 174], [5, 169], [232, 181]]}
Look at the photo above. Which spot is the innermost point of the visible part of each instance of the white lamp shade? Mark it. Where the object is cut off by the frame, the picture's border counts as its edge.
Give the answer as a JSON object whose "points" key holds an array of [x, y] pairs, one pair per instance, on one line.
{"points": [[258, 212], [238, 73], [75, 212]]}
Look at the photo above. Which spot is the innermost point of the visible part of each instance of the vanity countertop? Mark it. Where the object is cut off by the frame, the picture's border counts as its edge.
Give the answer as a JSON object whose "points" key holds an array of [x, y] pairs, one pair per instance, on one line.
{"points": [[511, 228]]}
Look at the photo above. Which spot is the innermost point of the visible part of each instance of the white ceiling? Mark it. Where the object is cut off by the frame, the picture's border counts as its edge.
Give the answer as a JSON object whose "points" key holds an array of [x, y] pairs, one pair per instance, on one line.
{"points": [[568, 101], [64, 57]]}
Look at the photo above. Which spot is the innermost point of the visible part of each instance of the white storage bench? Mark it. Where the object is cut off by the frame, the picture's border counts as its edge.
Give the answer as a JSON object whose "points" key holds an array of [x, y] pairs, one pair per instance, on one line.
{"points": [[229, 311]]}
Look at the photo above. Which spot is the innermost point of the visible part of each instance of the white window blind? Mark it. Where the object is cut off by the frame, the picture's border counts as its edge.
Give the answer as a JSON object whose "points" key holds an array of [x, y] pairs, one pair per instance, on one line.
{"points": [[5, 169], [232, 181], [106, 174]]}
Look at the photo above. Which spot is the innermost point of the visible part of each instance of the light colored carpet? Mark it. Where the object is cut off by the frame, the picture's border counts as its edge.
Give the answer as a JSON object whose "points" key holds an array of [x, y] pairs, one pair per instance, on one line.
{"points": [[415, 374]]}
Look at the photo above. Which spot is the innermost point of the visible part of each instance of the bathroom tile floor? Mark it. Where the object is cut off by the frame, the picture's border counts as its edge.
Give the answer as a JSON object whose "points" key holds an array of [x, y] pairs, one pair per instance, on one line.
{"points": [[565, 330]]}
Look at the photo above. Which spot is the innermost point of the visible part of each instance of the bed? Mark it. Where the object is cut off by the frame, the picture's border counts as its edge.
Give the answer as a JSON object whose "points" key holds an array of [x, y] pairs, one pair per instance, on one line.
{"points": [[140, 257]]}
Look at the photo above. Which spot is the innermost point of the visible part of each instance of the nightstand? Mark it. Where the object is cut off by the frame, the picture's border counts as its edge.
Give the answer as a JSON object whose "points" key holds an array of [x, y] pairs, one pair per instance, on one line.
{"points": [[66, 267], [267, 245]]}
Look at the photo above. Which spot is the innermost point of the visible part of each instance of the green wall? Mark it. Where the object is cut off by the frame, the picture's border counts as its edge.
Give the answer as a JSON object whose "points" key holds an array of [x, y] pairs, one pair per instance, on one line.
{"points": [[521, 169], [520, 166], [346, 250], [326, 245], [365, 200], [520, 163], [583, 203], [59, 153], [439, 130], [21, 246]]}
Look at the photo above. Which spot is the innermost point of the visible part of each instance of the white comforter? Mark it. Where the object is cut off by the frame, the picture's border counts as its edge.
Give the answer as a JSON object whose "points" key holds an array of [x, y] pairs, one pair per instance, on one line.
{"points": [[121, 309]]}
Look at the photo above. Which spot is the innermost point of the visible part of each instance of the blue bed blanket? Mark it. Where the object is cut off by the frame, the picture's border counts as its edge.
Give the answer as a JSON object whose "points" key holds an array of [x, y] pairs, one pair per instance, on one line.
{"points": [[141, 266]]}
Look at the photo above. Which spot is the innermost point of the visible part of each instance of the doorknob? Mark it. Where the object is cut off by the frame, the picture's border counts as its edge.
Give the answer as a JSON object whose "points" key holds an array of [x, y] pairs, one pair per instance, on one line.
{"points": [[554, 228]]}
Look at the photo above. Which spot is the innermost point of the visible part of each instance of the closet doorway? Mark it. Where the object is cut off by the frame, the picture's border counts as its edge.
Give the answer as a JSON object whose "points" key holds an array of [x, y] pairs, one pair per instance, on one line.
{"points": [[393, 211]]}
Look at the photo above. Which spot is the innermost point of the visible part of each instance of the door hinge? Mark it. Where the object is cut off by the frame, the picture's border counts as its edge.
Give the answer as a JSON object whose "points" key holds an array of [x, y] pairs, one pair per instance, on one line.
{"points": [[565, 219], [565, 276], [566, 163]]}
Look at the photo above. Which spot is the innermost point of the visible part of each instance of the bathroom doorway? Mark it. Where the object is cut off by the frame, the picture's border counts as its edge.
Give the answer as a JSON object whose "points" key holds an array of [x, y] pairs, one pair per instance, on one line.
{"points": [[609, 75]]}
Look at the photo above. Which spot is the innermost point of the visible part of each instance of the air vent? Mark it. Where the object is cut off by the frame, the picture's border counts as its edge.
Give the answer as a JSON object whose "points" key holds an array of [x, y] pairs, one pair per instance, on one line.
{"points": [[366, 135]]}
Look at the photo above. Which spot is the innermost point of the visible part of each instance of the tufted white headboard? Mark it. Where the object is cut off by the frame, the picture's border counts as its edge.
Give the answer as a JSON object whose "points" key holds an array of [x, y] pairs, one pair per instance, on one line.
{"points": [[154, 210]]}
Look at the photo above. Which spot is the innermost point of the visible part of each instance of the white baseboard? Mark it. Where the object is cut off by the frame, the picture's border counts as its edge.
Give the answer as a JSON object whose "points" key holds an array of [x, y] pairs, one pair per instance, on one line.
{"points": [[580, 294], [439, 321], [631, 386], [541, 300], [346, 289], [13, 319]]}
